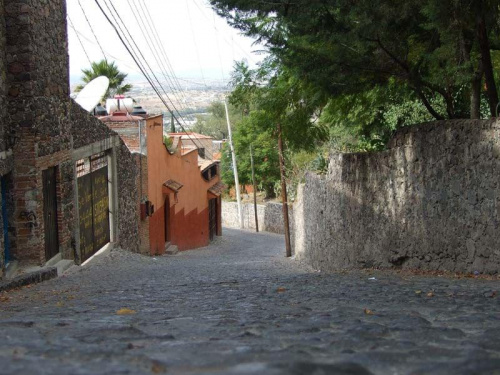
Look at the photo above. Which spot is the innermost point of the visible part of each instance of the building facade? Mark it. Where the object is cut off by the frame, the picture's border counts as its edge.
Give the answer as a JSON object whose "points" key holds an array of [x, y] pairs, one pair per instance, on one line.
{"points": [[60, 167], [180, 202]]}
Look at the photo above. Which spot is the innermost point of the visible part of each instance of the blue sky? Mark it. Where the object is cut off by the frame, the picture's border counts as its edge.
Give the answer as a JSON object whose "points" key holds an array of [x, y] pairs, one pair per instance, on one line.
{"points": [[197, 42]]}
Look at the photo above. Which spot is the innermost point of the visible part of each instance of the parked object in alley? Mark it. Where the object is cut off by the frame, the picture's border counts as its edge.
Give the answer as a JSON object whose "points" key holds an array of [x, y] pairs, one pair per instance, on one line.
{"points": [[92, 93]]}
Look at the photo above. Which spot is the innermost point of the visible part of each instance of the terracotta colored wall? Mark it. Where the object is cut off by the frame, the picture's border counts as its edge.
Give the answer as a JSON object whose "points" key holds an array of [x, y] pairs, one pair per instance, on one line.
{"points": [[189, 215]]}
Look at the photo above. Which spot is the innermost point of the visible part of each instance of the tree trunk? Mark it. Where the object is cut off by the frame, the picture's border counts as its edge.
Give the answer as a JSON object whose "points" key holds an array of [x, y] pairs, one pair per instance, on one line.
{"points": [[475, 95], [427, 104], [284, 195], [484, 45]]}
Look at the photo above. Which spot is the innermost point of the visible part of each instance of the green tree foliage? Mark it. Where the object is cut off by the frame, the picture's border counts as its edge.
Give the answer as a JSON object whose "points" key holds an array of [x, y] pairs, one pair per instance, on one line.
{"points": [[110, 70], [268, 96], [438, 49], [214, 123], [366, 121], [253, 130]]}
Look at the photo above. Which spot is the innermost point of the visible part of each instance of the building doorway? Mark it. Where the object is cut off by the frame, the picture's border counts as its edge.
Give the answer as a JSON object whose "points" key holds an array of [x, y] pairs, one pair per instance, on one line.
{"points": [[166, 208], [5, 221], [50, 213], [212, 218], [93, 204]]}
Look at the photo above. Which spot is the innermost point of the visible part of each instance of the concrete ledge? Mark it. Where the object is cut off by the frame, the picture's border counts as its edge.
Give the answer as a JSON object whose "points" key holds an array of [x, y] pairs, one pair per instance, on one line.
{"points": [[29, 278]]}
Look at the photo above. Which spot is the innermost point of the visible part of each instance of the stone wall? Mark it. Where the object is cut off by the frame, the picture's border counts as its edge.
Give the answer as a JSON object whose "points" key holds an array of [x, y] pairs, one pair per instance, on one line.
{"points": [[47, 129], [431, 201], [270, 216]]}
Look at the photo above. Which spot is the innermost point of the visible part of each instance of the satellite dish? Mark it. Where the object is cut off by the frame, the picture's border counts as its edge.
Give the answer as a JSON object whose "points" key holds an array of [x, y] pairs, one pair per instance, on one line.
{"points": [[92, 93]]}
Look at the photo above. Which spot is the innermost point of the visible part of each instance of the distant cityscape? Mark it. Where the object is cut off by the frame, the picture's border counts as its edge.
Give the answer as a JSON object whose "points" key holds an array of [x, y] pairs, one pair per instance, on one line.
{"points": [[192, 99]]}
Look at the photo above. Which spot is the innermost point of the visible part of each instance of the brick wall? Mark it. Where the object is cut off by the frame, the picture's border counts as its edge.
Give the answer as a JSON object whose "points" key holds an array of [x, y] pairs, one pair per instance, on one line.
{"points": [[431, 201]]}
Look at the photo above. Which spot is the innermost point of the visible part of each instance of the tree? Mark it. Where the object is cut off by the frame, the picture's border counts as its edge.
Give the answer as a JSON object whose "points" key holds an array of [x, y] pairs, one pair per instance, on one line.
{"points": [[436, 48], [110, 70], [249, 131], [214, 124]]}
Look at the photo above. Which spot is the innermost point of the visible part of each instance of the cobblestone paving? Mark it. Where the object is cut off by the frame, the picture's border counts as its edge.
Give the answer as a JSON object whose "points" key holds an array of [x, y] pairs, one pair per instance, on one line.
{"points": [[240, 307]]}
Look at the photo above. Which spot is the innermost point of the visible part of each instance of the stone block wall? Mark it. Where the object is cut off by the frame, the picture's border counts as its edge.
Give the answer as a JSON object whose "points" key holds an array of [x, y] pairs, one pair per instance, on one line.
{"points": [[270, 216], [46, 128], [431, 201]]}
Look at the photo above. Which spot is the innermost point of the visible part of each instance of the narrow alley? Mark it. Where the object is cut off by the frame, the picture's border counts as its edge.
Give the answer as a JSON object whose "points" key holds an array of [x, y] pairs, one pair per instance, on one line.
{"points": [[241, 307]]}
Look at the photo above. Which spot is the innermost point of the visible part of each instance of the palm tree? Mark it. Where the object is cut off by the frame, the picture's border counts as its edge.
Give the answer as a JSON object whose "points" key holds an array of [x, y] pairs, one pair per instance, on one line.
{"points": [[110, 70]]}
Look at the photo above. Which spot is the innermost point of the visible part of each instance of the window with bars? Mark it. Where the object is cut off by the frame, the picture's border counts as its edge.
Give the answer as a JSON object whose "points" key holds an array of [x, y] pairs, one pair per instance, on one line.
{"points": [[91, 164]]}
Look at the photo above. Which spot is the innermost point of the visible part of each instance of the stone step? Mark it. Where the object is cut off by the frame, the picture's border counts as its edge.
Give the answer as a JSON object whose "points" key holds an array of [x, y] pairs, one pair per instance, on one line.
{"points": [[63, 265], [171, 249]]}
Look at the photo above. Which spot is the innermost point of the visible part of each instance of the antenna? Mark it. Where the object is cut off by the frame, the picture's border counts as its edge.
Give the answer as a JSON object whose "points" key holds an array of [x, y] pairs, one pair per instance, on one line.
{"points": [[92, 93]]}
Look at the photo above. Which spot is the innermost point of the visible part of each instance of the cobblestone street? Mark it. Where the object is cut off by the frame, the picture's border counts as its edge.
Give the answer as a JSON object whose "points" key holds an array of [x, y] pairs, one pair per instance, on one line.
{"points": [[241, 307]]}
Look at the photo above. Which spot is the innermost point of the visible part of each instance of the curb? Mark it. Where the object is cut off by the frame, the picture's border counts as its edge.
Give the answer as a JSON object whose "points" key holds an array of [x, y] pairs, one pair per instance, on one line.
{"points": [[29, 278]]}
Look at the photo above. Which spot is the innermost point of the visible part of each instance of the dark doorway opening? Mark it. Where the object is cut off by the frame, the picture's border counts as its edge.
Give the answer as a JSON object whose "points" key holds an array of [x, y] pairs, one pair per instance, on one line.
{"points": [[167, 219], [212, 218], [50, 213], [5, 220]]}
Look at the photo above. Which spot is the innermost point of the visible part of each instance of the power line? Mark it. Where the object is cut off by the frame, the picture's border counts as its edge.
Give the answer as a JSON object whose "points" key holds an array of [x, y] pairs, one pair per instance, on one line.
{"points": [[187, 80], [78, 37], [218, 31], [145, 61], [194, 40], [162, 48], [154, 50], [136, 59], [91, 29]]}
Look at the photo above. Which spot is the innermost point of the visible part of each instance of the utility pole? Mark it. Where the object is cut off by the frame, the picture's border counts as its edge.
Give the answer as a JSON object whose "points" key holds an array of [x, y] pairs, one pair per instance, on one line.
{"points": [[284, 197], [235, 168], [254, 191]]}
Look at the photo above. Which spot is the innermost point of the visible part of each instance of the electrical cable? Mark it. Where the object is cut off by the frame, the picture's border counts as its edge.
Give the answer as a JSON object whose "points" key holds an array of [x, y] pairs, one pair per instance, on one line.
{"points": [[154, 50], [195, 43], [92, 29], [78, 37], [85, 37], [149, 67], [128, 46]]}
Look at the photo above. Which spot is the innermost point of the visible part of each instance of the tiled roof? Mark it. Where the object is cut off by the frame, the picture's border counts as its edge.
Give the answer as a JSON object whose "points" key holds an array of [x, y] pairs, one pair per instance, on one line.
{"points": [[173, 185], [204, 164], [191, 135], [120, 117], [217, 189]]}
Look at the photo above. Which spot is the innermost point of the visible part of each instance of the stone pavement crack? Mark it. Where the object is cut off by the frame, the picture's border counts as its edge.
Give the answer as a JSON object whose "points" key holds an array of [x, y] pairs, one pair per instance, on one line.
{"points": [[240, 307]]}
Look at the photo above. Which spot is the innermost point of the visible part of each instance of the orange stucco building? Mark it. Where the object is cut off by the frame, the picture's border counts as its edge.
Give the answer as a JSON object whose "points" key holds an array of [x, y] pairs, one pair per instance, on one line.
{"points": [[179, 203]]}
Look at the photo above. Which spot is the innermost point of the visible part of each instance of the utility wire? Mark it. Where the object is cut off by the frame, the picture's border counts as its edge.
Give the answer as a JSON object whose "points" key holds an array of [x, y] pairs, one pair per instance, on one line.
{"points": [[136, 59], [134, 68], [149, 67], [218, 31], [83, 47], [156, 55], [92, 29], [156, 34], [195, 43]]}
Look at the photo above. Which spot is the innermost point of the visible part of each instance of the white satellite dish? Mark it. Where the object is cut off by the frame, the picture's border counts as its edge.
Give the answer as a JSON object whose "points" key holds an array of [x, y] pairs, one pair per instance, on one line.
{"points": [[92, 93]]}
